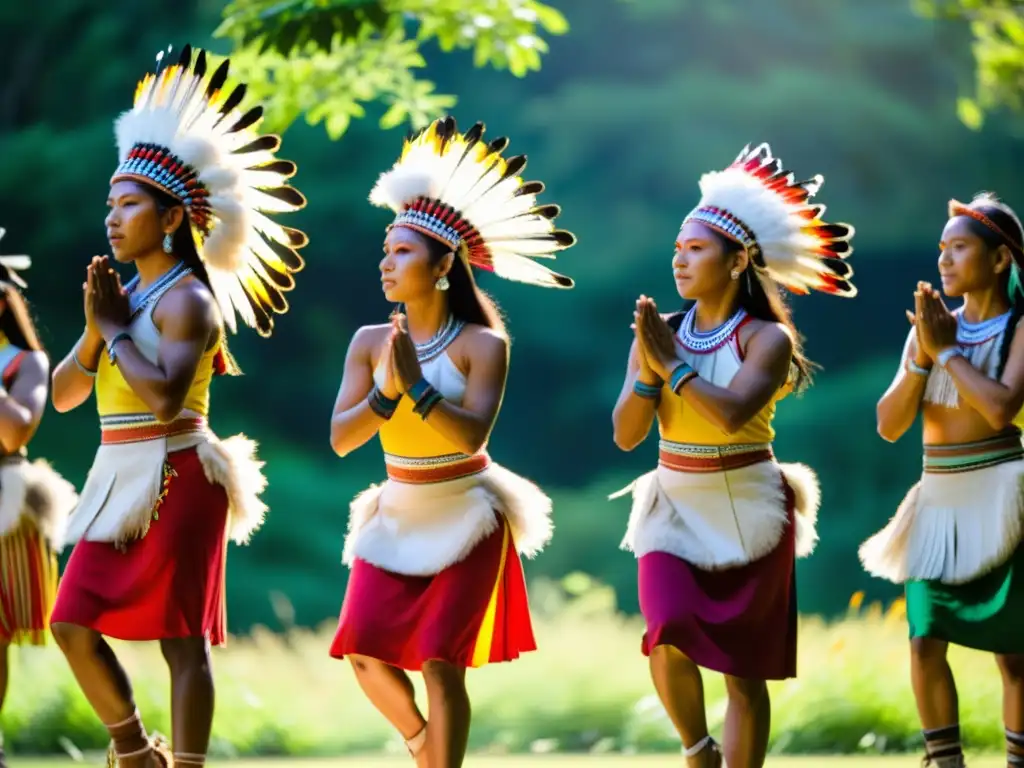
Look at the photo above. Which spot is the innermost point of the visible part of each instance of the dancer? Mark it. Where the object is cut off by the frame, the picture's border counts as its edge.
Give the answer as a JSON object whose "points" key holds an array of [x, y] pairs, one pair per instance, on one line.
{"points": [[955, 541], [717, 526], [436, 582], [34, 500], [186, 208]]}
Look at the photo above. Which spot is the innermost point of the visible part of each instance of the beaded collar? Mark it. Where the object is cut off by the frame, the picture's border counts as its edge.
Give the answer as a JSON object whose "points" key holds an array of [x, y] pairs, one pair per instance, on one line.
{"points": [[978, 333], [439, 342], [708, 341], [138, 300]]}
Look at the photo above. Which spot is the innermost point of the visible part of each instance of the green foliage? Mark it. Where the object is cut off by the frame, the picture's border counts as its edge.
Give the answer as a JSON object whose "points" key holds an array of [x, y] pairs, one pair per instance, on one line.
{"points": [[997, 29], [587, 689], [328, 59]]}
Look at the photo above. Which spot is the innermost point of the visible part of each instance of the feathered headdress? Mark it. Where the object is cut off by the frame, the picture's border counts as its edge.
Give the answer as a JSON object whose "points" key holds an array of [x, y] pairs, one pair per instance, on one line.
{"points": [[758, 204], [187, 136], [458, 189], [11, 265]]}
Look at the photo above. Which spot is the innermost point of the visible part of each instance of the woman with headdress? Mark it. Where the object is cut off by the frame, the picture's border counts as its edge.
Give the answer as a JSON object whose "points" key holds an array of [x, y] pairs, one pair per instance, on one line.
{"points": [[955, 541], [436, 583], [716, 528], [187, 208], [34, 500]]}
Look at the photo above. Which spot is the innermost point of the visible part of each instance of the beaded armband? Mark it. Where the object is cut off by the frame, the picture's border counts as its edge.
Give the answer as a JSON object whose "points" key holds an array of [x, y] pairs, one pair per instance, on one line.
{"points": [[381, 404], [646, 391], [681, 374], [425, 397]]}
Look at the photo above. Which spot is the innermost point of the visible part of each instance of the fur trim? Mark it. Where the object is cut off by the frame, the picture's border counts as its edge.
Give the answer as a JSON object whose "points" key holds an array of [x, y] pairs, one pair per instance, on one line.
{"points": [[952, 528], [419, 530], [232, 463], [806, 499], [716, 520]]}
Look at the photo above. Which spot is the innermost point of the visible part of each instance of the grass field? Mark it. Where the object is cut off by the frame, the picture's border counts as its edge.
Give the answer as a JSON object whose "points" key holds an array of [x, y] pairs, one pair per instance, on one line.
{"points": [[566, 761], [587, 691]]}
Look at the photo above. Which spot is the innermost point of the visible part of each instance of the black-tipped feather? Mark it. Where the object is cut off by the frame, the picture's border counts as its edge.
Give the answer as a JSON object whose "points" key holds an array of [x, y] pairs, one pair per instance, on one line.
{"points": [[285, 168], [248, 119], [530, 188], [268, 143], [288, 195]]}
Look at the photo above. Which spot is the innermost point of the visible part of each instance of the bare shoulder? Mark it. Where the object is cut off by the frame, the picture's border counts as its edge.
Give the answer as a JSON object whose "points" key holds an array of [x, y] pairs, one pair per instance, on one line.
{"points": [[368, 341], [769, 337], [189, 304], [484, 341]]}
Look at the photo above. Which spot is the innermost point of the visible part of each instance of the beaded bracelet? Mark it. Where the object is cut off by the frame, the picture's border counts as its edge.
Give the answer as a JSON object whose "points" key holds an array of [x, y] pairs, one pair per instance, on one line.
{"points": [[86, 371], [917, 369], [681, 374], [946, 355], [425, 396], [113, 342], [646, 391], [381, 404]]}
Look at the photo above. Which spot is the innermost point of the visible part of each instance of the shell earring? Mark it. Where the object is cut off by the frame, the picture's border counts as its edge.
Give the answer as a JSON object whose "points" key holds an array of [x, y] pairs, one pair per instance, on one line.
{"points": [[168, 243], [735, 274], [442, 283]]}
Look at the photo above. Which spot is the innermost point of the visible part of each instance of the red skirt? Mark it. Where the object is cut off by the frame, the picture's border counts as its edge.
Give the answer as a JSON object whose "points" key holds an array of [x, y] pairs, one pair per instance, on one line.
{"points": [[472, 613], [28, 583], [739, 621], [168, 584]]}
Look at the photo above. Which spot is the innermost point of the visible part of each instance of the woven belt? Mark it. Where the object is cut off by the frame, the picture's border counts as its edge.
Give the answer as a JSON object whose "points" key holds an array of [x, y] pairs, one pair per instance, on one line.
{"points": [[435, 469], [964, 457], [136, 428], [682, 457]]}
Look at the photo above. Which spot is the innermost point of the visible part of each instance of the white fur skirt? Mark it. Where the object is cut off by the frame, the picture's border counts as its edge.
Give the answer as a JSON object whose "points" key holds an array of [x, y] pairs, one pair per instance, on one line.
{"points": [[952, 526], [128, 480], [419, 529], [721, 519], [34, 489]]}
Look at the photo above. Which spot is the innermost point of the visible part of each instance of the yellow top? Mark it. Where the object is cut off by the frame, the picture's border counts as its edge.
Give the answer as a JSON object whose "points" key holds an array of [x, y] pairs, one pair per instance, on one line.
{"points": [[679, 422], [405, 433], [115, 397]]}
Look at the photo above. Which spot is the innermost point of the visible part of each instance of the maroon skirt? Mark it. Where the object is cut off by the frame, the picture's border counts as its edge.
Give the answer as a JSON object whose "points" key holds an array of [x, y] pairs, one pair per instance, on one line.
{"points": [[739, 621], [168, 584], [472, 613]]}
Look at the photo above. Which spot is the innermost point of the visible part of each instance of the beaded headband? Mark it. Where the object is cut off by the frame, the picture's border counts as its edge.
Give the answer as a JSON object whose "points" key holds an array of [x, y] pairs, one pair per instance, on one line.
{"points": [[956, 208], [758, 204], [186, 136], [458, 189]]}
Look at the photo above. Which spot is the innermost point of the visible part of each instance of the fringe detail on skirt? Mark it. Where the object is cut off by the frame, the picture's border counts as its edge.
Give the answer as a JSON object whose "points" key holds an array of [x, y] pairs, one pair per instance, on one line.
{"points": [[719, 520], [34, 489], [28, 584], [421, 529], [951, 527], [232, 463]]}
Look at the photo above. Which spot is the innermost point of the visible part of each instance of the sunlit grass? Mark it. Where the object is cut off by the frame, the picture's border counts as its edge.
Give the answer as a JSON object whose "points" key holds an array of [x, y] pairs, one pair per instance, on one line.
{"points": [[587, 690]]}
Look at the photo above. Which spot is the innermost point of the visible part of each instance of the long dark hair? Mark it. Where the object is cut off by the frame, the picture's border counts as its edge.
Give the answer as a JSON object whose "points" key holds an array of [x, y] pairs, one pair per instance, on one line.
{"points": [[16, 321], [465, 299], [762, 298], [184, 247], [1003, 217]]}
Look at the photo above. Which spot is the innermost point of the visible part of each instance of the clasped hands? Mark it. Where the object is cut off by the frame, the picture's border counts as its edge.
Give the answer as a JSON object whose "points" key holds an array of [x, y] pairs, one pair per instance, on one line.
{"points": [[401, 366], [934, 324], [654, 342], [107, 311]]}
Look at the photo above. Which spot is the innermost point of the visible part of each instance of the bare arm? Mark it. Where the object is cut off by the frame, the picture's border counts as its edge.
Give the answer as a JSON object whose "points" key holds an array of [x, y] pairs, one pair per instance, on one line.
{"points": [[633, 415], [468, 426], [764, 372], [70, 386], [354, 422], [186, 318], [899, 406], [21, 409], [998, 402]]}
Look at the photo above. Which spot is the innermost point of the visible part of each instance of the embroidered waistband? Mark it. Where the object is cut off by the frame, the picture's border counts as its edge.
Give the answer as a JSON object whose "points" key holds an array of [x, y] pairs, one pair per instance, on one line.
{"points": [[964, 457], [683, 457], [138, 427], [434, 469]]}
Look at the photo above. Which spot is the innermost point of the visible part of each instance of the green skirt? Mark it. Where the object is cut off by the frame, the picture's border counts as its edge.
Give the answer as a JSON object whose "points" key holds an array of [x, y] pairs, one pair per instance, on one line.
{"points": [[986, 614]]}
